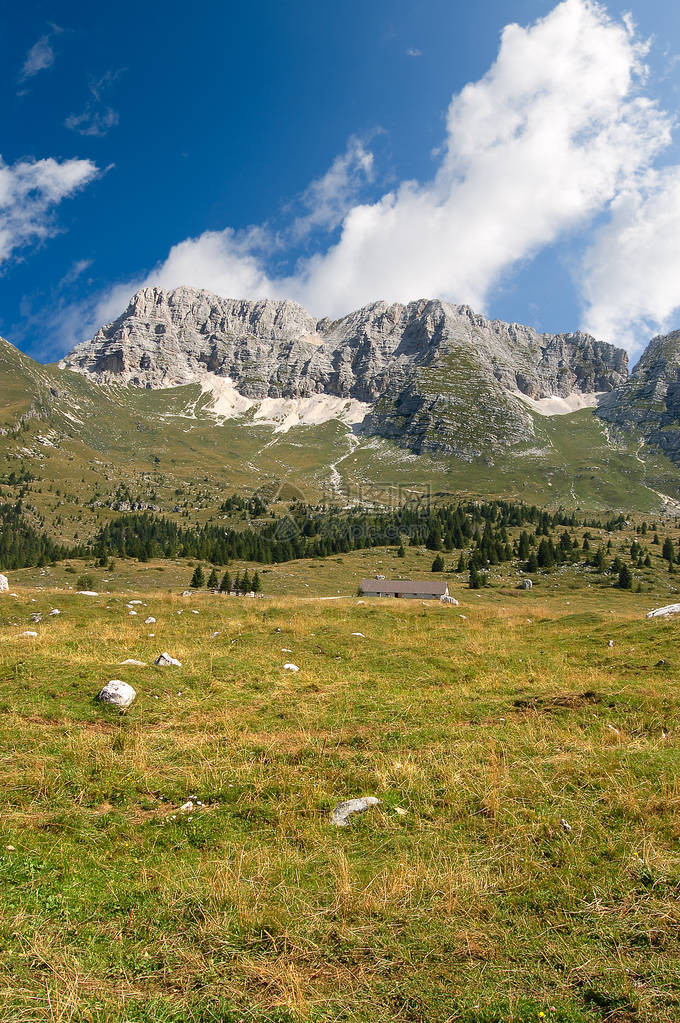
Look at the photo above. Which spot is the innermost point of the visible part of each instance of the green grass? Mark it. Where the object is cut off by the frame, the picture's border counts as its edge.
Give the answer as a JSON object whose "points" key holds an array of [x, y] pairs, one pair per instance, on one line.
{"points": [[475, 905]]}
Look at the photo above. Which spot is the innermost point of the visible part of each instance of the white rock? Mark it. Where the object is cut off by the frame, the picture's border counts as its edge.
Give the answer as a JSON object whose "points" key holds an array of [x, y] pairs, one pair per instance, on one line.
{"points": [[55, 611], [87, 593], [448, 599], [665, 612], [359, 634], [4, 584], [132, 613], [565, 825], [166, 661], [137, 664], [30, 633], [527, 584], [135, 602], [610, 643], [290, 667], [214, 635], [343, 811], [117, 693], [150, 621]]}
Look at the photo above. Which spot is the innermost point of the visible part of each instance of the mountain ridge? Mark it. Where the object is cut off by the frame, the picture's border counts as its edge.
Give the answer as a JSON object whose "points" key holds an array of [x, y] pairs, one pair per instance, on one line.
{"points": [[438, 377]]}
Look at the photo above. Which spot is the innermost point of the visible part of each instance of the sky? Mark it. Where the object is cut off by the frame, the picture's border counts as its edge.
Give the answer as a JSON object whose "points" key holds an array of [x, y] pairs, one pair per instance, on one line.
{"points": [[518, 156]]}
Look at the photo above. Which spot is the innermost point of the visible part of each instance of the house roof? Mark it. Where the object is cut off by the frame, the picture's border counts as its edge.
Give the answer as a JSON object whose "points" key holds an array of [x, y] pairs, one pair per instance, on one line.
{"points": [[434, 587]]}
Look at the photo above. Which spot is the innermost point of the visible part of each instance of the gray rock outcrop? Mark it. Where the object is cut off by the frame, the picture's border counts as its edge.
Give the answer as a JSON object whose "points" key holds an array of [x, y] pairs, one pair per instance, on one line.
{"points": [[649, 401], [4, 584]]}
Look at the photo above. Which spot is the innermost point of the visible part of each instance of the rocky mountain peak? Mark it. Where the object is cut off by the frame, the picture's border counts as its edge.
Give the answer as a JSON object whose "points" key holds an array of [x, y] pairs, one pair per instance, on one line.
{"points": [[423, 365]]}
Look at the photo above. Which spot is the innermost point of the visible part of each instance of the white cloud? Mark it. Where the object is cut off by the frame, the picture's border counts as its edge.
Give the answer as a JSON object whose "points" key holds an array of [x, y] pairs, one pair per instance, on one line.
{"points": [[29, 190], [630, 276], [414, 52], [553, 133], [330, 197], [40, 57], [98, 117]]}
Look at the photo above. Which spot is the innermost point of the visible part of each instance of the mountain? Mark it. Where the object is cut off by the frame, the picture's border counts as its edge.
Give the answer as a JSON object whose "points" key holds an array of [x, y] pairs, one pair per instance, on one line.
{"points": [[188, 398], [648, 403], [428, 375]]}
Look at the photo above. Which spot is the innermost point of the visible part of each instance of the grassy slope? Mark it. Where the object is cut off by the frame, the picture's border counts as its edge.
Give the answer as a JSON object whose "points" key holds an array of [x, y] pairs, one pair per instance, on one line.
{"points": [[88, 440], [474, 905]]}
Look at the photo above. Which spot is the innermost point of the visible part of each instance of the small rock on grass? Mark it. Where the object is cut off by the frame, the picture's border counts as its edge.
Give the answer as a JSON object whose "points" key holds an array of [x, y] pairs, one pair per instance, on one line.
{"points": [[166, 661], [150, 621], [290, 667], [137, 664], [343, 811], [117, 693]]}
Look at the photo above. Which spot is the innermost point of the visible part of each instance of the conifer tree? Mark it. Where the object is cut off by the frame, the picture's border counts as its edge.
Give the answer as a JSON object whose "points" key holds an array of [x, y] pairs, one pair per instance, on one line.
{"points": [[225, 585], [212, 580], [198, 578]]}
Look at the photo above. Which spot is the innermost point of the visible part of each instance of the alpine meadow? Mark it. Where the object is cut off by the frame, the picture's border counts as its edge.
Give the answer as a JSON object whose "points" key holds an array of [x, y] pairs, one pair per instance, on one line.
{"points": [[340, 513]]}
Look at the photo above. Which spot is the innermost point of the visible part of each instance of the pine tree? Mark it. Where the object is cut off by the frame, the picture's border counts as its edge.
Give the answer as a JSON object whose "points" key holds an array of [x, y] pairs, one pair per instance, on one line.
{"points": [[256, 584], [461, 563], [212, 580], [625, 578], [401, 553], [246, 585], [474, 582], [198, 578], [438, 564], [237, 583], [668, 551], [225, 585]]}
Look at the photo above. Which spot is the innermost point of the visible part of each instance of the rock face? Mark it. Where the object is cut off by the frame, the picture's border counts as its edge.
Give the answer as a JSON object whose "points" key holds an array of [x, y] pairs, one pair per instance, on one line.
{"points": [[650, 400], [4, 584], [436, 376]]}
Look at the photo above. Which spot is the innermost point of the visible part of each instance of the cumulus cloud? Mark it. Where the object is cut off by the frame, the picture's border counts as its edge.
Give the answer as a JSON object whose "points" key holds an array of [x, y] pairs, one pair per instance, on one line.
{"points": [[29, 191], [329, 198], [555, 132], [630, 277], [98, 117], [41, 56], [413, 51]]}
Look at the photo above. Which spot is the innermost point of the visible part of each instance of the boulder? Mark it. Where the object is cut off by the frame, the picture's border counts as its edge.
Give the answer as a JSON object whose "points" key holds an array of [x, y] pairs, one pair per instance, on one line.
{"points": [[117, 693], [166, 661], [343, 811], [527, 584], [4, 584], [448, 599], [290, 667], [87, 593], [665, 612], [150, 620]]}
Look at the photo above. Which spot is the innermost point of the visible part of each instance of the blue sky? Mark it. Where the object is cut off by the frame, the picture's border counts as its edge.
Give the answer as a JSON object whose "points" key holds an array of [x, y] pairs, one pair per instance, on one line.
{"points": [[328, 152]]}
